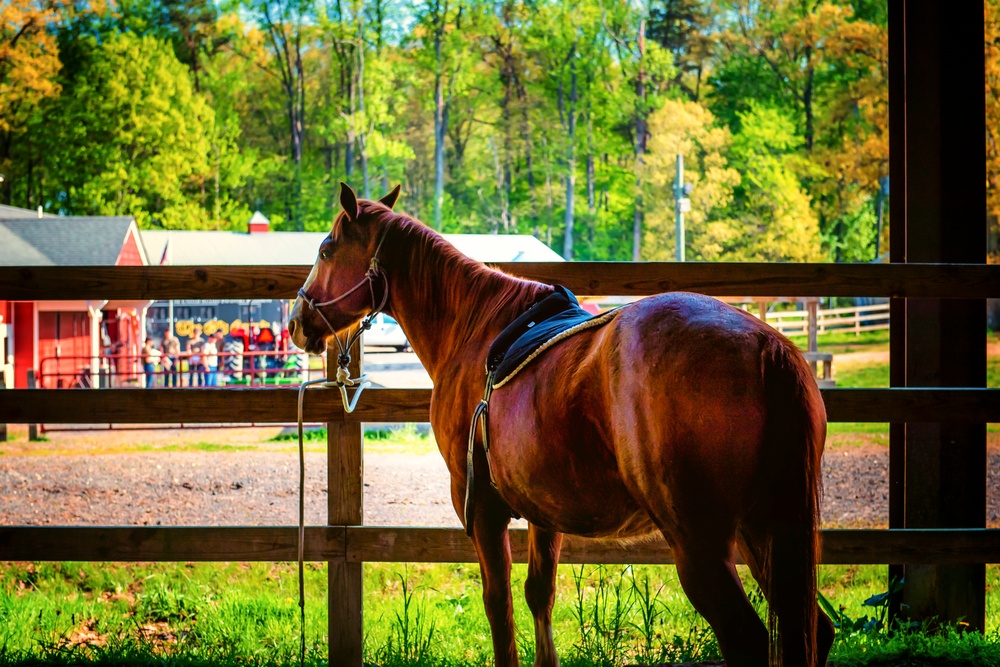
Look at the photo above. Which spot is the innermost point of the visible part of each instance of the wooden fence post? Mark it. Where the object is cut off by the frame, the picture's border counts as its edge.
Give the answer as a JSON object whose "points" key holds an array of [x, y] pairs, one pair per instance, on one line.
{"points": [[345, 493], [32, 428]]}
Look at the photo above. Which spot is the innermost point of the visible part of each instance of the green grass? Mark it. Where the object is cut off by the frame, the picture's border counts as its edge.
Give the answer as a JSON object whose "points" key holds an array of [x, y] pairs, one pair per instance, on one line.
{"points": [[859, 376], [841, 342], [195, 447], [876, 374], [405, 439], [415, 615]]}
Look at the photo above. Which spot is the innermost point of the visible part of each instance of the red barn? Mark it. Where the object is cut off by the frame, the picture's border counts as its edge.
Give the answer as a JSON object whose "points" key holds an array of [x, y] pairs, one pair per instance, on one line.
{"points": [[67, 342]]}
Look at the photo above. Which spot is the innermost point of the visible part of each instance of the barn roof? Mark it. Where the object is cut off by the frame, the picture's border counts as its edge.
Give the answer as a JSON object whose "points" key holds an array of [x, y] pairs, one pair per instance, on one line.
{"points": [[206, 248], [63, 241], [14, 212]]}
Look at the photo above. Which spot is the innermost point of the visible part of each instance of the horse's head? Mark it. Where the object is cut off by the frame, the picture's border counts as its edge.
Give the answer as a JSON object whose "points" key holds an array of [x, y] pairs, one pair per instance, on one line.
{"points": [[346, 283]]}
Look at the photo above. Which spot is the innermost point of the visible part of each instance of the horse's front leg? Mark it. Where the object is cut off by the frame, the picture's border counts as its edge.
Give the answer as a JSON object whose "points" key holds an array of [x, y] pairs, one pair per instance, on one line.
{"points": [[540, 590], [489, 534]]}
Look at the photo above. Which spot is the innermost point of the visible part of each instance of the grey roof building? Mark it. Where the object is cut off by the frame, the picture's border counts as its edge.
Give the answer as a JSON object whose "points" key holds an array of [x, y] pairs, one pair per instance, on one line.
{"points": [[70, 241], [14, 212], [208, 248]]}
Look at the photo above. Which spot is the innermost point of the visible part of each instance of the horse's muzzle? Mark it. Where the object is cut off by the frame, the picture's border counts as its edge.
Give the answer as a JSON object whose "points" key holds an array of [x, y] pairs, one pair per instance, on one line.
{"points": [[297, 331]]}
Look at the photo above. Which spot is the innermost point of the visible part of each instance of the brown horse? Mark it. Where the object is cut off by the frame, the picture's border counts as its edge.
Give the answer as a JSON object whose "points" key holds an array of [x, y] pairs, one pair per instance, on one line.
{"points": [[682, 415]]}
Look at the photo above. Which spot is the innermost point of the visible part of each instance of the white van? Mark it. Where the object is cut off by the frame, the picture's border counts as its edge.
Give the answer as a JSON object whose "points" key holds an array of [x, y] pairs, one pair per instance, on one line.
{"points": [[386, 332]]}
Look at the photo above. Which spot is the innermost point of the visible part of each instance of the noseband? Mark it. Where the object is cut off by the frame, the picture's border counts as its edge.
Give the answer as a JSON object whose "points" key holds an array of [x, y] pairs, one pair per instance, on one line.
{"points": [[374, 271]]}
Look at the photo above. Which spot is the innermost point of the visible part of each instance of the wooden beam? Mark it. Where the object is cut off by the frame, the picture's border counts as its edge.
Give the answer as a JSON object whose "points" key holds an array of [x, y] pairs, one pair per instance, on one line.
{"points": [[159, 543], [278, 406], [584, 278], [357, 544], [912, 405], [205, 406]]}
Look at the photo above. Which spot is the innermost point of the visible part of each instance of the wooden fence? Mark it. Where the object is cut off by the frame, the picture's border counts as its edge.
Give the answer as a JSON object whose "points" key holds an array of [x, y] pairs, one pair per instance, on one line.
{"points": [[345, 543], [855, 319]]}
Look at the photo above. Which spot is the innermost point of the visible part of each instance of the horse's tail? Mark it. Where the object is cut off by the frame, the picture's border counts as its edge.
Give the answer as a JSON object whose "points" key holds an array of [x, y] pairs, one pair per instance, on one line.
{"points": [[795, 434]]}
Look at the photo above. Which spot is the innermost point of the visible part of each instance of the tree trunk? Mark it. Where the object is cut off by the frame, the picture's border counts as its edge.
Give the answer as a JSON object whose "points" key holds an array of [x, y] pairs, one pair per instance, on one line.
{"points": [[591, 204], [549, 203], [570, 161], [363, 134], [440, 121], [499, 174], [216, 204], [349, 148], [807, 101], [529, 166], [640, 145]]}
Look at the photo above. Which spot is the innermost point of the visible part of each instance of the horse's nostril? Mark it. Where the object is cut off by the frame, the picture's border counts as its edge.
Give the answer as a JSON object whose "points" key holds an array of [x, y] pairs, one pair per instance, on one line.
{"points": [[292, 326]]}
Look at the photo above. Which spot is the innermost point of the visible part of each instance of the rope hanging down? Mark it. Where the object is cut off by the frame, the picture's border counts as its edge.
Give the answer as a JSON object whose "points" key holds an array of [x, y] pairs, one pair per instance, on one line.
{"points": [[342, 382]]}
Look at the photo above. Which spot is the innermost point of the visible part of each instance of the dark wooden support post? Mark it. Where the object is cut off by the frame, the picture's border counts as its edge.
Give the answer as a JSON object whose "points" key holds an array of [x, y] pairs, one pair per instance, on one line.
{"points": [[945, 216], [345, 489], [897, 255]]}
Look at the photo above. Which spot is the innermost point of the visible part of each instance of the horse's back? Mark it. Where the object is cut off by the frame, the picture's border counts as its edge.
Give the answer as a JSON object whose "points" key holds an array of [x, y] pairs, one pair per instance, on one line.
{"points": [[666, 404]]}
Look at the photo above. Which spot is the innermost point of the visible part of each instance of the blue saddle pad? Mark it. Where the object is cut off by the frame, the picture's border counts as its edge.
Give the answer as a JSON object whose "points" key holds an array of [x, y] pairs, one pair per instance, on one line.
{"points": [[543, 321]]}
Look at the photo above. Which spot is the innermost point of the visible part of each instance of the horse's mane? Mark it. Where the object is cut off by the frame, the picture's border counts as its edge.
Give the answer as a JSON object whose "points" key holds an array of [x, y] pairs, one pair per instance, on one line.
{"points": [[428, 257]]}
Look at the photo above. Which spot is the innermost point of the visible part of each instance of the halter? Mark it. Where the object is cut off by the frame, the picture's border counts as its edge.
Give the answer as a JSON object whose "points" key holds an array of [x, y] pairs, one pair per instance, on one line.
{"points": [[344, 358]]}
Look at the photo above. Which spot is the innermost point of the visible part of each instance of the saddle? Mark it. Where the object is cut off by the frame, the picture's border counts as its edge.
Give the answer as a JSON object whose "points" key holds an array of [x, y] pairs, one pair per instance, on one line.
{"points": [[548, 322]]}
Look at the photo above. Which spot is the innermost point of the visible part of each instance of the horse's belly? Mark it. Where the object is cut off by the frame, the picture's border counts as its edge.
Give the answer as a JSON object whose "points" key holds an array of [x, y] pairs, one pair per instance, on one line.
{"points": [[575, 492], [580, 513]]}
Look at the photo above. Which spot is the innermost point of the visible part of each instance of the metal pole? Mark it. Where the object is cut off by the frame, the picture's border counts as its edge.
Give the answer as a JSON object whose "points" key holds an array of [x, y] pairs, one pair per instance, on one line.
{"points": [[678, 195]]}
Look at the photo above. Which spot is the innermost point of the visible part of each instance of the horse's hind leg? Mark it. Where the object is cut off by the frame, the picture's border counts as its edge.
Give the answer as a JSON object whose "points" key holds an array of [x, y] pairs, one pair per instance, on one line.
{"points": [[751, 543], [709, 578], [540, 590]]}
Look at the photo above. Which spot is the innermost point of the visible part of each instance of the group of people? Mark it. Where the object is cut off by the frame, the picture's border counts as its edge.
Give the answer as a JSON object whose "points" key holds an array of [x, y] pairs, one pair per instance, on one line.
{"points": [[201, 353]]}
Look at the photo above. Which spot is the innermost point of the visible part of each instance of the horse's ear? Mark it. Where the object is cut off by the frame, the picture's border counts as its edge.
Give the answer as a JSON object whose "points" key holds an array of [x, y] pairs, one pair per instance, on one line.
{"points": [[390, 199], [349, 201]]}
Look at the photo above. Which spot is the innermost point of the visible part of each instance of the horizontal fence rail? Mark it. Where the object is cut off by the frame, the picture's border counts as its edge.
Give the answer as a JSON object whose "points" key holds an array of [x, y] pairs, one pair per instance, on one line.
{"points": [[278, 406], [967, 281], [372, 544]]}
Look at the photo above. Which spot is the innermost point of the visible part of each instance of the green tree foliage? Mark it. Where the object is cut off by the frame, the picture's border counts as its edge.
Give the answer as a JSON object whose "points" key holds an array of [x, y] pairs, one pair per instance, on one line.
{"points": [[559, 120], [131, 138], [29, 65], [777, 222]]}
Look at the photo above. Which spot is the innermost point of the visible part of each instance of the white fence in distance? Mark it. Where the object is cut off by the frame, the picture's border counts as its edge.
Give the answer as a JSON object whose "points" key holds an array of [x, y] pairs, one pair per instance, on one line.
{"points": [[844, 320]]}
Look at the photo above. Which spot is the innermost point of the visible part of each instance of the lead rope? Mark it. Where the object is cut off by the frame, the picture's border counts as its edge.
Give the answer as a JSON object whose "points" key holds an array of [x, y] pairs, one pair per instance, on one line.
{"points": [[342, 382]]}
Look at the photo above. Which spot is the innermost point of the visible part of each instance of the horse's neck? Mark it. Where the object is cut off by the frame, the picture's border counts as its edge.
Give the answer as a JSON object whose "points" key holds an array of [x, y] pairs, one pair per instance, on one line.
{"points": [[452, 307]]}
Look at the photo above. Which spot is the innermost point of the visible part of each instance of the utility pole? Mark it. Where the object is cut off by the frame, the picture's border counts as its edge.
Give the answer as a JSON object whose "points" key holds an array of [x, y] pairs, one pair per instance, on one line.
{"points": [[682, 205]]}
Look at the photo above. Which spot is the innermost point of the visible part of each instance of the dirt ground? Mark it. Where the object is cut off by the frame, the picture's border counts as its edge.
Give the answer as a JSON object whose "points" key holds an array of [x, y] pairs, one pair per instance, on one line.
{"points": [[134, 477]]}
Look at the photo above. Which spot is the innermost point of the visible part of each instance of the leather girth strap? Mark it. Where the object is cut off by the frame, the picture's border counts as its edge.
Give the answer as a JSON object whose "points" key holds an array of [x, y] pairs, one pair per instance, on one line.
{"points": [[552, 319]]}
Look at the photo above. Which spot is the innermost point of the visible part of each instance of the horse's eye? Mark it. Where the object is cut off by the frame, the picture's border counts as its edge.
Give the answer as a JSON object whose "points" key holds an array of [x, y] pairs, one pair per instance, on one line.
{"points": [[324, 253]]}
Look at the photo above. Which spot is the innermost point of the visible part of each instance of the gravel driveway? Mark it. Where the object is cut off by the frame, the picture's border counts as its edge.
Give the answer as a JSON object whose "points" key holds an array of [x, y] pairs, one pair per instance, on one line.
{"points": [[259, 487]]}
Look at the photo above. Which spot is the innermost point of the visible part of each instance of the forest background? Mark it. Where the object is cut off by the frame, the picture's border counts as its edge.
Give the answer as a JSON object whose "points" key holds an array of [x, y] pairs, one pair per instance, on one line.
{"points": [[558, 119]]}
